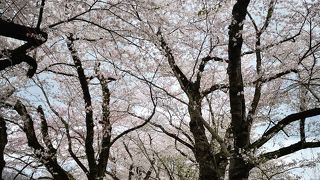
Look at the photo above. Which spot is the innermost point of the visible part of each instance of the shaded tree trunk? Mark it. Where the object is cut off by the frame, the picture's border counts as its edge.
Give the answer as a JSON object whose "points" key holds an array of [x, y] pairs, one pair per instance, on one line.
{"points": [[208, 164], [90, 153], [48, 159], [107, 128], [3, 142], [238, 169], [202, 151]]}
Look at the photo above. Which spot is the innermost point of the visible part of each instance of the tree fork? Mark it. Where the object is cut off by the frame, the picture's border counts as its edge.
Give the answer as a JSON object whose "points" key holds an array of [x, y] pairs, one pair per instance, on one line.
{"points": [[34, 37]]}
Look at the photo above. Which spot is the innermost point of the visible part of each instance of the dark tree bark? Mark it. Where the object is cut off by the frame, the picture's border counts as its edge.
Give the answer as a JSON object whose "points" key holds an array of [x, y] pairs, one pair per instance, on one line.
{"points": [[3, 142], [283, 123], [48, 159], [34, 37], [239, 169], [106, 133], [12, 58], [90, 153], [210, 167], [44, 131], [202, 149], [98, 165]]}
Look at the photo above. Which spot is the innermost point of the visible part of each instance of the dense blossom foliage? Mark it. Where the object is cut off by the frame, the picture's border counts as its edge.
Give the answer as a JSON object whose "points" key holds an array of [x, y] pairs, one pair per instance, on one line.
{"points": [[166, 89]]}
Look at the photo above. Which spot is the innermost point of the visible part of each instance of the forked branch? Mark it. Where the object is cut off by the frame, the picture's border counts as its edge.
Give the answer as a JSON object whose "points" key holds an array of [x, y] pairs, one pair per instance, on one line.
{"points": [[283, 123]]}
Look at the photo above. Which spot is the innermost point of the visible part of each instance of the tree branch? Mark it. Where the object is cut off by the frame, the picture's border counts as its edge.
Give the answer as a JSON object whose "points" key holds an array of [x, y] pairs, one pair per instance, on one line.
{"points": [[24, 33], [173, 136], [58, 73], [13, 58], [269, 15], [34, 37], [40, 14], [236, 89], [56, 64], [44, 131], [238, 167], [66, 126], [213, 88], [145, 80], [88, 107], [146, 121], [276, 76], [291, 38], [74, 17], [288, 150], [106, 132], [216, 136], [28, 126], [258, 85], [183, 80], [282, 123], [202, 65], [48, 160]]}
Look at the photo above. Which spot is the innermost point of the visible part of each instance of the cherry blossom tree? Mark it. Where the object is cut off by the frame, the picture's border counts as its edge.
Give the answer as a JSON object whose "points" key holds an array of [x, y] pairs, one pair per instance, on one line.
{"points": [[179, 38], [201, 78]]}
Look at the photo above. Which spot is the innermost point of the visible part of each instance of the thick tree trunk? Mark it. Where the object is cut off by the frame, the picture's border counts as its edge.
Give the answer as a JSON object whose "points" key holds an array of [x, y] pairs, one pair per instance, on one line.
{"points": [[207, 167], [3, 142], [204, 156], [90, 153], [55, 169], [238, 169]]}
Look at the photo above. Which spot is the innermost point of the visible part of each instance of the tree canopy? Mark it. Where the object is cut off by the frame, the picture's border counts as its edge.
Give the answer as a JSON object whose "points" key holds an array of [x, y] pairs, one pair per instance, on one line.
{"points": [[132, 89]]}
